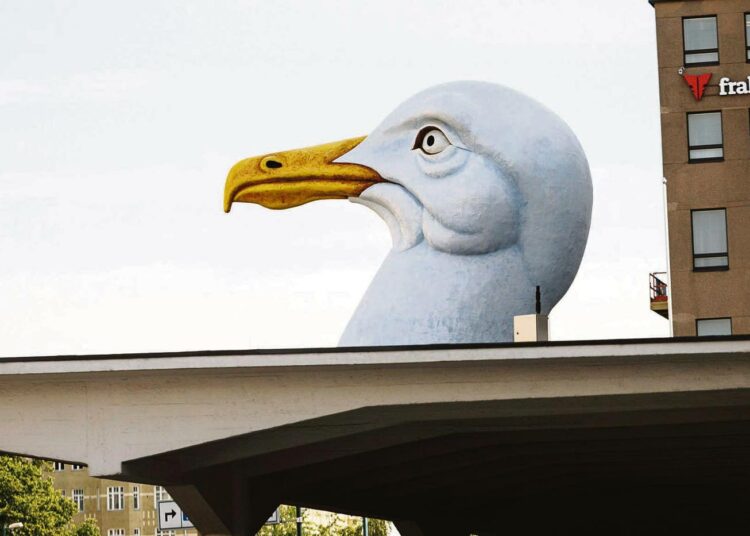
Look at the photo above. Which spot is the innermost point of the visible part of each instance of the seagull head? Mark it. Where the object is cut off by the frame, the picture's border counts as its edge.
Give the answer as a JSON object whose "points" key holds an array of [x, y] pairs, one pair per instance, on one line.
{"points": [[467, 168]]}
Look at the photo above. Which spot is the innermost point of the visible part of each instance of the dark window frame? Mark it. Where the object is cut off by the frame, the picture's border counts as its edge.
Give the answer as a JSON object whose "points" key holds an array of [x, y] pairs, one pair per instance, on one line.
{"points": [[698, 147], [731, 326], [708, 255], [700, 50]]}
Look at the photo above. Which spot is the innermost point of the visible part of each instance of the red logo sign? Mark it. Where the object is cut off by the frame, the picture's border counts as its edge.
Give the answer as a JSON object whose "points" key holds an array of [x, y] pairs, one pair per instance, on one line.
{"points": [[697, 83]]}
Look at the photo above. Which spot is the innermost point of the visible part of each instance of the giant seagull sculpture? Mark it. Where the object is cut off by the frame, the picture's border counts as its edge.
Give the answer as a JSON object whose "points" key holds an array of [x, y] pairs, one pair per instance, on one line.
{"points": [[486, 193]]}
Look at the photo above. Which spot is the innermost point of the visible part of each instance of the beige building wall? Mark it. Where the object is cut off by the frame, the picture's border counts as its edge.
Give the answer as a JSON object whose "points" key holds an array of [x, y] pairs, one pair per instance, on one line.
{"points": [[137, 515], [705, 185]]}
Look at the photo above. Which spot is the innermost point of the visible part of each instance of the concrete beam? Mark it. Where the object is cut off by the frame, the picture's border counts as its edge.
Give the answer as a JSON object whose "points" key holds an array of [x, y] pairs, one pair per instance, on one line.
{"points": [[103, 410]]}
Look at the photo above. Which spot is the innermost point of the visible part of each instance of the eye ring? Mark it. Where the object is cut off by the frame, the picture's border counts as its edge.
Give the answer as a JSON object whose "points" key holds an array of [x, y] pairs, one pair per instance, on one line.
{"points": [[431, 140]]}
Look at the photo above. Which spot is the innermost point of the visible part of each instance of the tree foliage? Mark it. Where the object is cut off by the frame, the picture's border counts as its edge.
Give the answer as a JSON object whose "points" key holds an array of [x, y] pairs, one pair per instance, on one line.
{"points": [[88, 528], [27, 495], [316, 523], [352, 526]]}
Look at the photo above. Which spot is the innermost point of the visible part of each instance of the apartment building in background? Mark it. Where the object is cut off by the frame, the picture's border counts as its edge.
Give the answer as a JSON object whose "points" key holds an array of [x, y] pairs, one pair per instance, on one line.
{"points": [[120, 508], [703, 49]]}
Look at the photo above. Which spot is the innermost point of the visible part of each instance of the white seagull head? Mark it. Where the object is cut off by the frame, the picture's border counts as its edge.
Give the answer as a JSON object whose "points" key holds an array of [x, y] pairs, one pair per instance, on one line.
{"points": [[464, 169]]}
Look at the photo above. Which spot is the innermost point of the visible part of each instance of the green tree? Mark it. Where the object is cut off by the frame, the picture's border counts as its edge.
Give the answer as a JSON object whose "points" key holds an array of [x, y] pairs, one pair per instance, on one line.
{"points": [[27, 495], [375, 527], [352, 526], [316, 523], [87, 528], [288, 523]]}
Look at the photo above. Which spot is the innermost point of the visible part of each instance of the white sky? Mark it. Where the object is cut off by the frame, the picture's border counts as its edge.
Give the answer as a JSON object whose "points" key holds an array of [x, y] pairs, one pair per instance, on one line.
{"points": [[119, 121]]}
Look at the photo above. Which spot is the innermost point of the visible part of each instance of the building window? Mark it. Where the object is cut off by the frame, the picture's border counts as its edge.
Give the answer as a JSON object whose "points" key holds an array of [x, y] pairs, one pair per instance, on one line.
{"points": [[164, 532], [705, 140], [78, 499], [160, 494], [59, 466], [76, 467], [710, 240], [747, 37], [116, 532], [136, 532], [713, 326], [700, 39], [136, 498], [115, 497]]}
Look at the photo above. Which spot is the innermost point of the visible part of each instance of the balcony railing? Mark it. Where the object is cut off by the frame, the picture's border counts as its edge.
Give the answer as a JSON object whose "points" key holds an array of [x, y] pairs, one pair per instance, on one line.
{"points": [[658, 294]]}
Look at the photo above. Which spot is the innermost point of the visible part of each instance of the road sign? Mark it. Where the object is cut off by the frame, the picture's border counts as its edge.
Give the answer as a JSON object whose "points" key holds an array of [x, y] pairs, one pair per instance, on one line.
{"points": [[171, 516], [275, 518]]}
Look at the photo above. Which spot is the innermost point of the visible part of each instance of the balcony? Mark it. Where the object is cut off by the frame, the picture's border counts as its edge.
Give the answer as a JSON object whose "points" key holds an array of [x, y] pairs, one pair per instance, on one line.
{"points": [[658, 294]]}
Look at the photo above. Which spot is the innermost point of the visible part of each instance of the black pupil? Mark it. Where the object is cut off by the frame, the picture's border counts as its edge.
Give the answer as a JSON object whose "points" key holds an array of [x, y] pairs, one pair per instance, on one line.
{"points": [[430, 140]]}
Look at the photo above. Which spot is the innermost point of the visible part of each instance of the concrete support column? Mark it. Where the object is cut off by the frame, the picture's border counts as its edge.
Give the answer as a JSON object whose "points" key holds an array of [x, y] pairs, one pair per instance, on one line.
{"points": [[198, 510], [408, 528], [222, 505]]}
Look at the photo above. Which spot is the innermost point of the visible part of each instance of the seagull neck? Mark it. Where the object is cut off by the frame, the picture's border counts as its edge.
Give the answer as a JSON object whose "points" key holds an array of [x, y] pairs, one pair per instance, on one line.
{"points": [[423, 296]]}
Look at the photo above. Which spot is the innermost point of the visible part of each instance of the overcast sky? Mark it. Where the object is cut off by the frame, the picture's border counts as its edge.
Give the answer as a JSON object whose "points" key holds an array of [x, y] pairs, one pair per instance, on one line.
{"points": [[120, 120]]}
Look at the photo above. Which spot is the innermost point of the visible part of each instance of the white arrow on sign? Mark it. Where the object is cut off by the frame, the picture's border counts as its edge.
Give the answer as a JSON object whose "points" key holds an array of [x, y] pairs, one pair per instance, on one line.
{"points": [[171, 516]]}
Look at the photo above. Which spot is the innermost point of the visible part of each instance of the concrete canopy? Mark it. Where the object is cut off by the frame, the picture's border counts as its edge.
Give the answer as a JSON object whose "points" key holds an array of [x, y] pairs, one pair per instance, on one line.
{"points": [[615, 436]]}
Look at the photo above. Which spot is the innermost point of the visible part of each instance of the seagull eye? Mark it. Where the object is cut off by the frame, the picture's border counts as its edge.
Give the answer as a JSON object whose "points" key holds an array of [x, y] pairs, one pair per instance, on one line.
{"points": [[431, 140]]}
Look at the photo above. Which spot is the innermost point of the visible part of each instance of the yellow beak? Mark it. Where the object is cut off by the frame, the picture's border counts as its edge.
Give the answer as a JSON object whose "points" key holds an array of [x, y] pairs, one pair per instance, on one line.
{"points": [[291, 178]]}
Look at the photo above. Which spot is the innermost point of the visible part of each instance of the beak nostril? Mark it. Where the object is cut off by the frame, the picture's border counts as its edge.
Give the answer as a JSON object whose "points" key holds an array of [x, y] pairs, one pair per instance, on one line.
{"points": [[272, 164]]}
